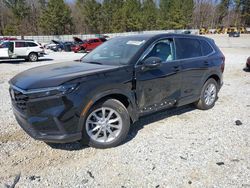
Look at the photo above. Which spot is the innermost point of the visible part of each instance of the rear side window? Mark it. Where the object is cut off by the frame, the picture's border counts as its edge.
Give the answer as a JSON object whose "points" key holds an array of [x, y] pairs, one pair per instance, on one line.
{"points": [[206, 48], [20, 44], [31, 44], [187, 48]]}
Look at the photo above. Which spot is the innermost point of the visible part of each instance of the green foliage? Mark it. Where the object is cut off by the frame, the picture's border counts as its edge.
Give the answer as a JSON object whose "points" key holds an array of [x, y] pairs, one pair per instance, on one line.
{"points": [[56, 18], [222, 9], [245, 12], [91, 12], [19, 8], [10, 30], [149, 15], [131, 16], [175, 14]]}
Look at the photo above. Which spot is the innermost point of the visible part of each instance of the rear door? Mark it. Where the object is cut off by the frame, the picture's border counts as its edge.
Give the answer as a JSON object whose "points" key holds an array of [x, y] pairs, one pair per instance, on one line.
{"points": [[193, 65], [158, 87], [20, 49]]}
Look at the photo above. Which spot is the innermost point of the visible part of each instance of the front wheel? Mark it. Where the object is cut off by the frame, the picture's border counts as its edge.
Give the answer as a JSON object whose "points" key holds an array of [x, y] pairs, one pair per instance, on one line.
{"points": [[106, 124], [208, 96]]}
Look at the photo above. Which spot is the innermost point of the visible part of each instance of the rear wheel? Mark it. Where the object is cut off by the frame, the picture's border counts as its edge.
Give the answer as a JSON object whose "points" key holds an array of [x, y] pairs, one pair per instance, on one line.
{"points": [[33, 57], [106, 124], [208, 96]]}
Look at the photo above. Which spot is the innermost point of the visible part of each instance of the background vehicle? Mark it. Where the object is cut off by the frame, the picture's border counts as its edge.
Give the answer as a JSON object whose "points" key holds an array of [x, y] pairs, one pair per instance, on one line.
{"points": [[88, 44], [123, 79], [204, 31], [248, 63], [21, 49], [58, 46], [234, 34], [7, 38]]}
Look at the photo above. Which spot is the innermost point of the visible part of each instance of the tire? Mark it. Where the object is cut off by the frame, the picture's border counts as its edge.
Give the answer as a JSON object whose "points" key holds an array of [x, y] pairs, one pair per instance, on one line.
{"points": [[94, 134], [209, 94], [33, 57]]}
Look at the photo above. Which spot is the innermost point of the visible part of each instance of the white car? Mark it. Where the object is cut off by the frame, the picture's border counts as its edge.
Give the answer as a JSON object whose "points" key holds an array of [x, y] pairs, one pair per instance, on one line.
{"points": [[21, 49]]}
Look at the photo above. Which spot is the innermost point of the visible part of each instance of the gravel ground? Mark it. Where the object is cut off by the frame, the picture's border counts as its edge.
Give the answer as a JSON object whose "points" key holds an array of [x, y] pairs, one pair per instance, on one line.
{"points": [[182, 147]]}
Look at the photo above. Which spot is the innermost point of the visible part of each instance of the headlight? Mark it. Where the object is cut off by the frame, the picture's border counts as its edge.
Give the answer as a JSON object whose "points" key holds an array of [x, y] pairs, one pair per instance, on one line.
{"points": [[45, 92]]}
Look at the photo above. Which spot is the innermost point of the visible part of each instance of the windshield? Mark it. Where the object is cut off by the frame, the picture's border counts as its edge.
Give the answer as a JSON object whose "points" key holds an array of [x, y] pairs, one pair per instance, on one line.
{"points": [[115, 51]]}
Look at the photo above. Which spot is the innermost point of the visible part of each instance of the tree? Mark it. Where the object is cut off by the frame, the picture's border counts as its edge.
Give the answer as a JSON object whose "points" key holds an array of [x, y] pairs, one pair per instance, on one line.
{"points": [[131, 16], [164, 14], [56, 18], [20, 12], [245, 12], [175, 14], [222, 10], [91, 13], [149, 15]]}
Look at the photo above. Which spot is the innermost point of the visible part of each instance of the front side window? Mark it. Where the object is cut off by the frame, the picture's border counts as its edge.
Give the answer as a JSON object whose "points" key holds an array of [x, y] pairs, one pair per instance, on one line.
{"points": [[187, 48], [163, 49]]}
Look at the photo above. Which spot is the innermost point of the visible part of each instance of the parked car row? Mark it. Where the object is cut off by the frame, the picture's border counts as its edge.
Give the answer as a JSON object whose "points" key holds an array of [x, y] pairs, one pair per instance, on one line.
{"points": [[78, 45]]}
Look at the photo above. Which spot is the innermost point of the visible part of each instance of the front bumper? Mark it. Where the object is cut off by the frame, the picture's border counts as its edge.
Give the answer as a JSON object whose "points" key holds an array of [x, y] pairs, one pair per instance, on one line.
{"points": [[50, 119], [41, 54], [45, 135]]}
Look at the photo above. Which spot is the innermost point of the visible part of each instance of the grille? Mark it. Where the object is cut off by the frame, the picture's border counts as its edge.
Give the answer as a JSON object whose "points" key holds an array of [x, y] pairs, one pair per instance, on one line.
{"points": [[19, 99]]}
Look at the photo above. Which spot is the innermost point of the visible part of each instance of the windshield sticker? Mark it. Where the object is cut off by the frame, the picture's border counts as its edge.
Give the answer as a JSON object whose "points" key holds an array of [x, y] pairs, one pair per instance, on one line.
{"points": [[134, 42]]}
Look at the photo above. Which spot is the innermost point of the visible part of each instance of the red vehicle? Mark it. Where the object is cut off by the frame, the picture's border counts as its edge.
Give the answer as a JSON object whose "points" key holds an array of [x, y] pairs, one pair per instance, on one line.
{"points": [[7, 38], [86, 45]]}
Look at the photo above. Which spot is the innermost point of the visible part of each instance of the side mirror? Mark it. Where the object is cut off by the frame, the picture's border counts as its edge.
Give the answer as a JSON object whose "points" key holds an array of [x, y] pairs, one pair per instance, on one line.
{"points": [[152, 62]]}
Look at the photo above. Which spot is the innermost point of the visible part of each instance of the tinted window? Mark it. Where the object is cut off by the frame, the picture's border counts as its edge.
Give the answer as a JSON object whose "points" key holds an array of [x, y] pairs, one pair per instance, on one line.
{"points": [[187, 48], [91, 41], [206, 48], [31, 44], [163, 50], [20, 44]]}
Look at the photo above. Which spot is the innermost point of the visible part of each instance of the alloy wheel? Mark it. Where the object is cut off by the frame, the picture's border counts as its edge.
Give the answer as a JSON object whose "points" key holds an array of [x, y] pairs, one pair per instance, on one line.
{"points": [[104, 125]]}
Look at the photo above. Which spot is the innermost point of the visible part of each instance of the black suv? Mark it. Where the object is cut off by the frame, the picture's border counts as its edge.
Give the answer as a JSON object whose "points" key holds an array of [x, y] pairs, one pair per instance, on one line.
{"points": [[95, 101]]}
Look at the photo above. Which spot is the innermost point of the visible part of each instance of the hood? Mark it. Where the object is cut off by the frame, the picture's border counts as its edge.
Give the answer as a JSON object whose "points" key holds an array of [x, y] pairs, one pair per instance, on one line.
{"points": [[55, 74], [56, 42], [78, 40]]}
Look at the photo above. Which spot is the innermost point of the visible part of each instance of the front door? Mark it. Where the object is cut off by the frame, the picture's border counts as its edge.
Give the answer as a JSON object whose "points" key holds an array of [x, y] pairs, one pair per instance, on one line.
{"points": [[158, 87]]}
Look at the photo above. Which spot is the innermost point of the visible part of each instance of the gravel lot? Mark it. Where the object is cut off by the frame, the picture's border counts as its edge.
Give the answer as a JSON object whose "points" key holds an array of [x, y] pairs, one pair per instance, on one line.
{"points": [[182, 147]]}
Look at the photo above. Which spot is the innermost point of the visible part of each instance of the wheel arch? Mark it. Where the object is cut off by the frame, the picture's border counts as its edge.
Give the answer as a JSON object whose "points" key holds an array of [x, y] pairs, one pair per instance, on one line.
{"points": [[216, 78], [127, 99]]}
